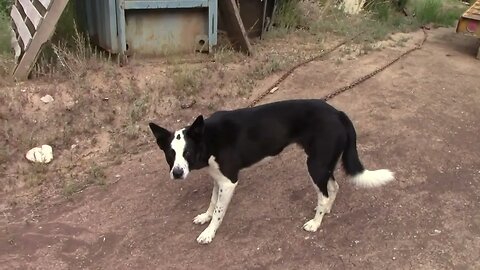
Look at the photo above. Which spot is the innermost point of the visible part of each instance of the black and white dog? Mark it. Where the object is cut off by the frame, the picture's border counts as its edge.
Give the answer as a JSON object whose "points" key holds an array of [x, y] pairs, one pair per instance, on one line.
{"points": [[229, 141]]}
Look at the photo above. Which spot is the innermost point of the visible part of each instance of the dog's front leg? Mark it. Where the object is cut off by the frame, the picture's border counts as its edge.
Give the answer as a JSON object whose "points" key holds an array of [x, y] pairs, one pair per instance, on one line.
{"points": [[207, 216], [225, 192]]}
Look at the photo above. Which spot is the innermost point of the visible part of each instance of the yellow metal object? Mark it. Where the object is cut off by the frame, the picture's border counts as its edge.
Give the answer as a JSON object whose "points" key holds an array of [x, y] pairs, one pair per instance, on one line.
{"points": [[469, 22]]}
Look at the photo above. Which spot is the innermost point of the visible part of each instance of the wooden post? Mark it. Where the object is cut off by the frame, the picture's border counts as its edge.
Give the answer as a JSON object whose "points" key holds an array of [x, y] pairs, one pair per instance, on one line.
{"points": [[233, 22]]}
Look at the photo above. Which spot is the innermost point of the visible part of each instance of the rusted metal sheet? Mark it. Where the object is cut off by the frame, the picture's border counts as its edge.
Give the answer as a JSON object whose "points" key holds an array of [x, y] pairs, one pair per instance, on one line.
{"points": [[161, 31]]}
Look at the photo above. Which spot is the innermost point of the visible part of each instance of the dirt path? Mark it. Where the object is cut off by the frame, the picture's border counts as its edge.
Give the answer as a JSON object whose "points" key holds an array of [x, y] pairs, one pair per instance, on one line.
{"points": [[419, 118]]}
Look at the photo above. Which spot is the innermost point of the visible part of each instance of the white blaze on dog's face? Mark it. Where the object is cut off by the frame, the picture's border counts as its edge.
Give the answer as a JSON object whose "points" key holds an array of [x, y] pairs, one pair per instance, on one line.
{"points": [[180, 168], [183, 148]]}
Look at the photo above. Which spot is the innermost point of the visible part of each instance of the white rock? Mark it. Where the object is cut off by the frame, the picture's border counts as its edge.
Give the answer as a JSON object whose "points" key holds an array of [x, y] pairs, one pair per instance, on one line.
{"points": [[47, 99], [43, 154]]}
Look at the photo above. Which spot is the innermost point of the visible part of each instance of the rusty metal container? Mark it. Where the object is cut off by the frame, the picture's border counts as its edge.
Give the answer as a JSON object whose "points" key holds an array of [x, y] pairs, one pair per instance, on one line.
{"points": [[469, 22], [150, 27]]}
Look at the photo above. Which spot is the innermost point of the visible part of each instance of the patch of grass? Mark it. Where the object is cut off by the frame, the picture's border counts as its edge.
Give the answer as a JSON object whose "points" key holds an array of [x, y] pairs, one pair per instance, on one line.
{"points": [[225, 54], [97, 175], [187, 80], [438, 12], [37, 175], [72, 56], [5, 47], [288, 15], [71, 187], [382, 9], [132, 131], [139, 108], [273, 64], [244, 85]]}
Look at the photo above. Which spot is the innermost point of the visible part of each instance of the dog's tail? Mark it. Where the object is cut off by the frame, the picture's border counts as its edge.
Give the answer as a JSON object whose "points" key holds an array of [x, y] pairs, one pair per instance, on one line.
{"points": [[352, 165]]}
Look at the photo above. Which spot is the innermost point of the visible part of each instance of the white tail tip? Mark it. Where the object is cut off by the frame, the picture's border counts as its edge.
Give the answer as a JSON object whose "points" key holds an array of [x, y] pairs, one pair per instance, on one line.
{"points": [[370, 179]]}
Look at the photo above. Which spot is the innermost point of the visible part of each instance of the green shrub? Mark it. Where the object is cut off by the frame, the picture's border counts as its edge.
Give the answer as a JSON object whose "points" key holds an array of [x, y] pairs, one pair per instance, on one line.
{"points": [[4, 33], [437, 12], [288, 14]]}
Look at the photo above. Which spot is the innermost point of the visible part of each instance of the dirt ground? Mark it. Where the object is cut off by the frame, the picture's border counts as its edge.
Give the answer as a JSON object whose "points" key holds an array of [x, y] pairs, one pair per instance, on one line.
{"points": [[418, 118]]}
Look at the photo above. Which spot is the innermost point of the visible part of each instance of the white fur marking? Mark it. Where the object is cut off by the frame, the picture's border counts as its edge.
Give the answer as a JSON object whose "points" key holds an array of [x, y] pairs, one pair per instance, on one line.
{"points": [[207, 216], [313, 224], [332, 188], [178, 145], [223, 199], [370, 179]]}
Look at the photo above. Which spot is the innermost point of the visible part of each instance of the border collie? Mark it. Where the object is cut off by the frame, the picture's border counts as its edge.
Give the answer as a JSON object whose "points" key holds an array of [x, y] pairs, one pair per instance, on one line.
{"points": [[229, 141]]}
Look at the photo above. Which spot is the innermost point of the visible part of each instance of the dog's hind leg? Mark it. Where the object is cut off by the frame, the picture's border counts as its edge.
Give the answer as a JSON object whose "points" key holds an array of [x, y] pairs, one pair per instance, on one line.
{"points": [[332, 188], [320, 176], [207, 216]]}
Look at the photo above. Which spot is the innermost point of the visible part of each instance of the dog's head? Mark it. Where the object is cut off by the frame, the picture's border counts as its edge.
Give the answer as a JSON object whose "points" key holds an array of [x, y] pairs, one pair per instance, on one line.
{"points": [[183, 149]]}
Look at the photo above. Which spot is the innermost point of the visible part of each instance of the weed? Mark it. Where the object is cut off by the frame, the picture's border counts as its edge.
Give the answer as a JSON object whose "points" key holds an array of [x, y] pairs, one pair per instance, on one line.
{"points": [[244, 84], [37, 175], [211, 106], [288, 15], [274, 63], [71, 187], [5, 32], [381, 9], [97, 175], [132, 131], [225, 54], [437, 12], [186, 80], [139, 108]]}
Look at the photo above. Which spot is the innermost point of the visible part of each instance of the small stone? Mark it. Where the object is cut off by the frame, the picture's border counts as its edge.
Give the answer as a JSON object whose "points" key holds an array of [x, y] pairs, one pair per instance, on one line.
{"points": [[274, 90]]}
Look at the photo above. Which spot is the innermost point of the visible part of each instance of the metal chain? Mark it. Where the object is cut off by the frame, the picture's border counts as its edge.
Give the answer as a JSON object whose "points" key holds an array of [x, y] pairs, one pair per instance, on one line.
{"points": [[351, 85], [291, 70]]}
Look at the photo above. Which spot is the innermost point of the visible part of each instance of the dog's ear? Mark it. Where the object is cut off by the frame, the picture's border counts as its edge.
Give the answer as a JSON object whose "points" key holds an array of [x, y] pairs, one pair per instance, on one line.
{"points": [[195, 131], [162, 135]]}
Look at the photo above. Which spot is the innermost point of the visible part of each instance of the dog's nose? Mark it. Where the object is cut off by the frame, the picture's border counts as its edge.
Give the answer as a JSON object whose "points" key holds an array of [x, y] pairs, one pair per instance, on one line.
{"points": [[177, 173]]}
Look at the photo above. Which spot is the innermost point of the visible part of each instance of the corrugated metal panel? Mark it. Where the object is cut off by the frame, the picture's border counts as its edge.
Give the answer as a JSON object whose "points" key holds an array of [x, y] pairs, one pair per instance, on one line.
{"points": [[101, 22]]}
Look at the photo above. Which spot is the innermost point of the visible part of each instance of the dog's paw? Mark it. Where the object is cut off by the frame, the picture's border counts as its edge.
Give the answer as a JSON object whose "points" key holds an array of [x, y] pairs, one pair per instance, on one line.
{"points": [[202, 218], [206, 236], [311, 226]]}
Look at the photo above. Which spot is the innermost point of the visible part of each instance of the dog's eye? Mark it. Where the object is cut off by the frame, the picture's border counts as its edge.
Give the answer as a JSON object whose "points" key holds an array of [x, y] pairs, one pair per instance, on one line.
{"points": [[187, 153]]}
